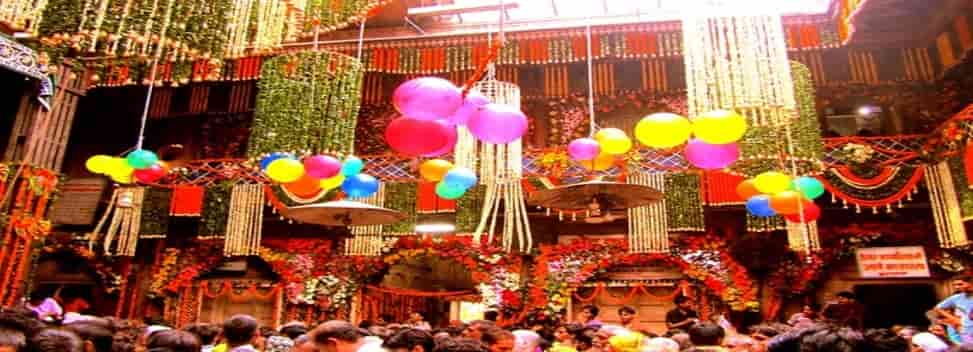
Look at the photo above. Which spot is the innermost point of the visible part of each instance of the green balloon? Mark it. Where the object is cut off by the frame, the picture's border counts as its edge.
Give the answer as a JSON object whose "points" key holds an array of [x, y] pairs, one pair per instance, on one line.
{"points": [[809, 186], [445, 191]]}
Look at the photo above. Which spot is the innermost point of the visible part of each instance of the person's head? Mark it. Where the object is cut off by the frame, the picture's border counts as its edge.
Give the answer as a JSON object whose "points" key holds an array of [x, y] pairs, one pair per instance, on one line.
{"points": [[415, 317], [476, 328], [884, 340], [461, 344], [526, 340], [498, 340], [832, 339], [963, 283], [303, 343], [55, 340], [491, 315], [96, 338], [926, 342], [588, 312], [846, 297], [173, 341], [683, 302], [739, 343], [410, 340], [810, 309], [907, 332], [278, 343], [336, 336], [604, 334], [205, 333], [12, 340], [626, 314], [239, 330], [763, 332], [706, 334]]}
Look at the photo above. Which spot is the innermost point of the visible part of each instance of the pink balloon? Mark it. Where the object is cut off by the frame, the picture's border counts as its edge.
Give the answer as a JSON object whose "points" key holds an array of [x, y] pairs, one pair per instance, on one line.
{"points": [[711, 156], [471, 104], [151, 174], [450, 141], [427, 98], [321, 166], [582, 149], [414, 137], [498, 124]]}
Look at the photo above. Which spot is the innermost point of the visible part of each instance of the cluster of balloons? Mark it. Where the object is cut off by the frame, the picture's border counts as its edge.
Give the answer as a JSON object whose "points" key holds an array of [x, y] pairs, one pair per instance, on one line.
{"points": [[710, 138], [772, 193], [139, 165], [452, 181], [316, 173], [431, 109]]}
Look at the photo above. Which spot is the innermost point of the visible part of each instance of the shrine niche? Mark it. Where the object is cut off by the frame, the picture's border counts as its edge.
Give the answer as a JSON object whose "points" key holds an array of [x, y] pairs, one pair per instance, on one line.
{"points": [[244, 286], [425, 283], [64, 268]]}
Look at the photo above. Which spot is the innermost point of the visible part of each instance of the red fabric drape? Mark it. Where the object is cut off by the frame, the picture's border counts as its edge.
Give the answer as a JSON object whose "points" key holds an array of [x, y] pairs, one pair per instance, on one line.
{"points": [[429, 202], [968, 163], [719, 188], [187, 201]]}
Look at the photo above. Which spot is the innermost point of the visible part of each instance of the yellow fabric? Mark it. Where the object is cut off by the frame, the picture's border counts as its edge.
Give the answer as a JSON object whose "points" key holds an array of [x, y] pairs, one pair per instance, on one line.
{"points": [[558, 347], [628, 342], [220, 348]]}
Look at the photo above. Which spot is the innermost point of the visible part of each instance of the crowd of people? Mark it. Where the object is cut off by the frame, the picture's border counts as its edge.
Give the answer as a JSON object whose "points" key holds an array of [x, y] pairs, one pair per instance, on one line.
{"points": [[56, 325]]}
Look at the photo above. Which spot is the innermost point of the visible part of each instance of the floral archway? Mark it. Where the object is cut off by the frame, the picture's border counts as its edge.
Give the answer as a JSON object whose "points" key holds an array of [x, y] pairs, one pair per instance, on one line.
{"points": [[563, 268]]}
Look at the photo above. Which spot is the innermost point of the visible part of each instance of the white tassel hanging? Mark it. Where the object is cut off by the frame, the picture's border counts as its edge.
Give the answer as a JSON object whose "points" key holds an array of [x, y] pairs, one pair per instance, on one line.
{"points": [[648, 225], [244, 224], [804, 237], [945, 206], [367, 240], [125, 208]]}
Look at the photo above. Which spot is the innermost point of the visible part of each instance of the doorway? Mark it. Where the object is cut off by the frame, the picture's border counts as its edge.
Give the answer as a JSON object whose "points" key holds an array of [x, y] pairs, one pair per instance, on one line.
{"points": [[896, 304]]}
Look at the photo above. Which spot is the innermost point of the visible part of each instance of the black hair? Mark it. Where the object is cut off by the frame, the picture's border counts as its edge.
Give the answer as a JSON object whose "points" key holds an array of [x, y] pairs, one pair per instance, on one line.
{"points": [[706, 334], [884, 340], [173, 341], [491, 315], [767, 330], [680, 299], [20, 320], [626, 309], [460, 345], [13, 338], [846, 294], [100, 337], [266, 331], [365, 324], [494, 334], [240, 329], [206, 333], [335, 329], [293, 330], [409, 339], [833, 339], [591, 308], [55, 340], [387, 317]]}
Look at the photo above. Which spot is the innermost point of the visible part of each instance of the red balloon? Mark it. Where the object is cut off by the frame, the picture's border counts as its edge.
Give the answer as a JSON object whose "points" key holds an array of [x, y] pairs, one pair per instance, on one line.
{"points": [[811, 213], [306, 187], [414, 137], [151, 174], [746, 189], [450, 141]]}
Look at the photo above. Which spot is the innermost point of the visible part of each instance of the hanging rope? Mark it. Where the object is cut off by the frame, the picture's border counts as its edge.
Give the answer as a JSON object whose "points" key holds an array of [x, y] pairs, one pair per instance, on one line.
{"points": [[591, 80]]}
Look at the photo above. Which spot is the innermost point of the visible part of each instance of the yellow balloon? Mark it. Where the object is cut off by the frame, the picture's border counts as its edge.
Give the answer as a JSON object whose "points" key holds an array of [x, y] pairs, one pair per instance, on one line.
{"points": [[601, 163], [613, 141], [122, 176], [719, 127], [98, 164], [663, 130], [332, 182], [772, 182], [434, 170], [285, 170], [117, 166]]}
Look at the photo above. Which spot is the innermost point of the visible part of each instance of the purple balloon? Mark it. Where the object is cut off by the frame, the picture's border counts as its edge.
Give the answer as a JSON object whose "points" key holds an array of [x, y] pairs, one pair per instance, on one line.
{"points": [[582, 149], [322, 166], [498, 124], [427, 98], [471, 104], [450, 140], [711, 156]]}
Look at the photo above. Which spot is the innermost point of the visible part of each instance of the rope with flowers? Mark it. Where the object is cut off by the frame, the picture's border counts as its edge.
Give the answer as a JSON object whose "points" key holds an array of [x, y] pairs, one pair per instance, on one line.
{"points": [[561, 269]]}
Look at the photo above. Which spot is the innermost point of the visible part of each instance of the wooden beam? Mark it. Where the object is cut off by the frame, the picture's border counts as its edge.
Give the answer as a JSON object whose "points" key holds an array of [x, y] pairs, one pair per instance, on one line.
{"points": [[449, 10]]}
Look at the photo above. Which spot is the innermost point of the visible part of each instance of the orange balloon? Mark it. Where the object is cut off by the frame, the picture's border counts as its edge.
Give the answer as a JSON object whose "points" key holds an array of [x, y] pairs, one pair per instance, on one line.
{"points": [[787, 202], [601, 163], [434, 170], [305, 187], [747, 189]]}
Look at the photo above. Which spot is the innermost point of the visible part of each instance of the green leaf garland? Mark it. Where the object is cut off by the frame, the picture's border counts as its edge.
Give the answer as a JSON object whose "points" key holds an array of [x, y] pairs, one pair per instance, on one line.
{"points": [[307, 101], [963, 191], [155, 212], [469, 208], [684, 205], [401, 196], [216, 209]]}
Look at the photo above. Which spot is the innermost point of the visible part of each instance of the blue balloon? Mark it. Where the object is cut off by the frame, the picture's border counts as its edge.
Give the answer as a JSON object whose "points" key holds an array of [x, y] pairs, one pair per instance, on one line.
{"points": [[265, 162], [460, 177], [352, 166], [443, 190], [759, 205], [360, 186], [141, 159]]}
